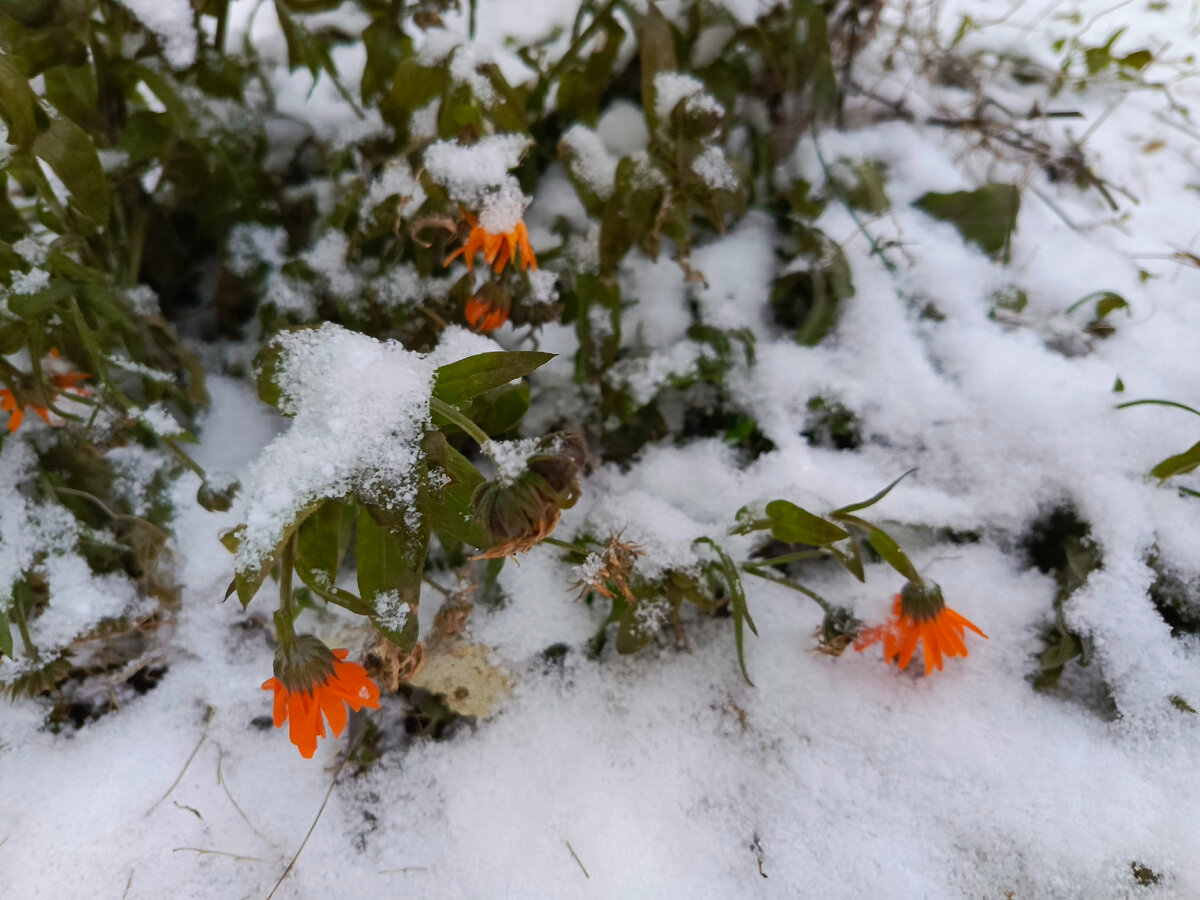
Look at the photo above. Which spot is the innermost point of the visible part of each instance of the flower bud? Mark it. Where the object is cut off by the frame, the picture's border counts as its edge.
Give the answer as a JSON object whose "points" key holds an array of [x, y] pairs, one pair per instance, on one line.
{"points": [[523, 510]]}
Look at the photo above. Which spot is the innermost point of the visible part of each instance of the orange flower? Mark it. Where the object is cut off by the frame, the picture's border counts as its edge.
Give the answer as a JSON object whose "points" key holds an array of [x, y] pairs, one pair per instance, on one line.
{"points": [[498, 249], [313, 681], [919, 614], [488, 309], [64, 381]]}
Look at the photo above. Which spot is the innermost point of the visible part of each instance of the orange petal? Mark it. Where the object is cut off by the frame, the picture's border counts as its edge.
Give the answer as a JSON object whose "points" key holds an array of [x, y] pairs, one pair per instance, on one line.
{"points": [[335, 711], [932, 649], [908, 644], [959, 620], [279, 707], [306, 726], [43, 412], [951, 637], [15, 419]]}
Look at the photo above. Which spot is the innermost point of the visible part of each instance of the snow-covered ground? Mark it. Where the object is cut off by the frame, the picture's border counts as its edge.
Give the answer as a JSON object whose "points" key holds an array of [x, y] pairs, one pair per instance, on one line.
{"points": [[664, 774]]}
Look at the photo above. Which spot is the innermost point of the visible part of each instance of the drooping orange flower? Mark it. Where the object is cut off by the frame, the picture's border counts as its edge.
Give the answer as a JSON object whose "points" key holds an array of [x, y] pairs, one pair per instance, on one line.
{"points": [[498, 249], [919, 614], [313, 684], [62, 381], [487, 309]]}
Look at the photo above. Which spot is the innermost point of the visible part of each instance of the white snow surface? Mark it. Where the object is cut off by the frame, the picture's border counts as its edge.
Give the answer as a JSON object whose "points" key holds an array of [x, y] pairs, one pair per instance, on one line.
{"points": [[664, 774]]}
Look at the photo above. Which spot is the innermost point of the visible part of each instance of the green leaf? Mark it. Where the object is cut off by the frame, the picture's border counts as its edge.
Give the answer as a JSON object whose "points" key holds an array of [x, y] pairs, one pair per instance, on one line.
{"points": [[500, 410], [386, 46], [475, 375], [6, 638], [304, 48], [795, 525], [1152, 402], [855, 507], [1137, 60], [630, 213], [324, 537], [247, 584], [391, 561], [1180, 464], [987, 217], [18, 104], [1058, 655], [634, 632], [851, 559], [1109, 303], [67, 149], [450, 512], [657, 47], [145, 136], [737, 603], [868, 192], [886, 546], [413, 87]]}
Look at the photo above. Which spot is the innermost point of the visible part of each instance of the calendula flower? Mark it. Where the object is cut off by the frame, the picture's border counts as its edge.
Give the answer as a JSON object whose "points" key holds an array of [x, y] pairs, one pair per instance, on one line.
{"points": [[498, 248], [919, 614], [488, 309], [62, 382], [314, 683]]}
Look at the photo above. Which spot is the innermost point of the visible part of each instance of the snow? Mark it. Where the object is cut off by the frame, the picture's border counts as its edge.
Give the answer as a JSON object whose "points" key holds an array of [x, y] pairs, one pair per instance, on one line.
{"points": [[664, 774], [590, 161], [714, 170], [473, 172], [358, 408], [171, 22], [503, 209]]}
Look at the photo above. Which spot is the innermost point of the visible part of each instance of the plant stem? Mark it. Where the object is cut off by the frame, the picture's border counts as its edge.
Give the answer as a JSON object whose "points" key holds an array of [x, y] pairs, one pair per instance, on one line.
{"points": [[285, 628], [567, 545], [766, 574], [453, 415]]}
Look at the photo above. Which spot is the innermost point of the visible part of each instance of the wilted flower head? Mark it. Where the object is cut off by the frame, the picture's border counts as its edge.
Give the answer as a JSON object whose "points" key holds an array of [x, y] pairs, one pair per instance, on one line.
{"points": [[488, 308], [522, 509], [920, 614], [313, 680], [609, 571]]}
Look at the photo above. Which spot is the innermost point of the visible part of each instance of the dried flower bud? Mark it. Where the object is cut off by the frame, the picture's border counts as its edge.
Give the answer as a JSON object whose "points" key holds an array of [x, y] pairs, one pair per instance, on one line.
{"points": [[523, 510]]}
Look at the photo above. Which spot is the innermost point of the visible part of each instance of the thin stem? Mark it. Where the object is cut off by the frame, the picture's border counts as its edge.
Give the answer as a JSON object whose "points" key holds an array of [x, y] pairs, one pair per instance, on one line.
{"points": [[837, 189], [103, 507], [433, 584], [450, 413], [768, 575], [567, 545], [332, 784], [285, 628], [798, 556]]}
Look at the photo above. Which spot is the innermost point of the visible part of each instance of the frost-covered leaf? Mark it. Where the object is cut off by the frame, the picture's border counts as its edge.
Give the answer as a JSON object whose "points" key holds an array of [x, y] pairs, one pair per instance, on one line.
{"points": [[391, 559]]}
